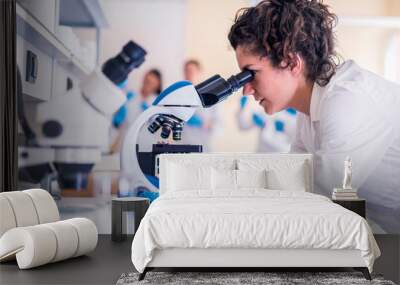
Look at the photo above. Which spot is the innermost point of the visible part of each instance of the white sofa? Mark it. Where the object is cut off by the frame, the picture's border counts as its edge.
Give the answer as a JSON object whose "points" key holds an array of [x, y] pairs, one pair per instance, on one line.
{"points": [[31, 230]]}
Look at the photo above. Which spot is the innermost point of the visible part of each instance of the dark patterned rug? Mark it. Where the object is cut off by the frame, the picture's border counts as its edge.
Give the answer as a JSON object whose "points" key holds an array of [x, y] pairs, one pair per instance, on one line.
{"points": [[230, 278]]}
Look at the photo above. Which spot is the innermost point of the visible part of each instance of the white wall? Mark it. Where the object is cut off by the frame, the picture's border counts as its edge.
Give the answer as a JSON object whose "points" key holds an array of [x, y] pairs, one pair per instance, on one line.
{"points": [[156, 25], [366, 45], [208, 25]]}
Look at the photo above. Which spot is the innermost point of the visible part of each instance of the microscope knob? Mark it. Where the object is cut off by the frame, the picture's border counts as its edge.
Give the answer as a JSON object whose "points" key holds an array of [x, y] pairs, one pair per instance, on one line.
{"points": [[52, 129]]}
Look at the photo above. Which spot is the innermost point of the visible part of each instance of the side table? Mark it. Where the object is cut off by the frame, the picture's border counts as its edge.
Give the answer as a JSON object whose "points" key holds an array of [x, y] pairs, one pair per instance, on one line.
{"points": [[357, 205], [138, 205]]}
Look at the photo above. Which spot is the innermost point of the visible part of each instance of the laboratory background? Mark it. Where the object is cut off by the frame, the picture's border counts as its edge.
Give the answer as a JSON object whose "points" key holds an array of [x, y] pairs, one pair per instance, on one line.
{"points": [[74, 127]]}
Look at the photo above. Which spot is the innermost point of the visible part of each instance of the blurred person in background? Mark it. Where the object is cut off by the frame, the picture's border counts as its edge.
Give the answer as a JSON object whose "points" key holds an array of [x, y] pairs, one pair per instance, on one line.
{"points": [[276, 132], [135, 105], [201, 127], [106, 182]]}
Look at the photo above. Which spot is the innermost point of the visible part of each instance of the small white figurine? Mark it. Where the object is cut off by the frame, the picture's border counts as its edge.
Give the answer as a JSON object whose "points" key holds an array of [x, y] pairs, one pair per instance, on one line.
{"points": [[347, 173]]}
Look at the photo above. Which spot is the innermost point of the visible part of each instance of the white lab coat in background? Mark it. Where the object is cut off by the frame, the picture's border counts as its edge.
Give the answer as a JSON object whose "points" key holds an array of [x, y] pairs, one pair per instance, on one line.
{"points": [[195, 135], [269, 139], [135, 107], [358, 115]]}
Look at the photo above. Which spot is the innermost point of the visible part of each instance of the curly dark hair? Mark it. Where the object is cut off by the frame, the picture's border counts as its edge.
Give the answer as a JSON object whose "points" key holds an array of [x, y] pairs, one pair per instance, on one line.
{"points": [[278, 29]]}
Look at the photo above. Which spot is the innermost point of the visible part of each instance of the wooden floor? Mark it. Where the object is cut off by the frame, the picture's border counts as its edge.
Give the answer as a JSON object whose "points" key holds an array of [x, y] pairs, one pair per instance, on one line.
{"points": [[110, 260]]}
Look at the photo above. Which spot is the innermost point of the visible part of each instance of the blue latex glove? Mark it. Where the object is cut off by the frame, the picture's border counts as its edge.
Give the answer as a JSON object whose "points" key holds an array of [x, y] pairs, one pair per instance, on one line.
{"points": [[149, 195], [120, 116], [258, 120], [195, 121], [291, 111], [144, 192], [123, 84], [130, 95], [153, 180], [144, 106], [243, 102], [279, 126]]}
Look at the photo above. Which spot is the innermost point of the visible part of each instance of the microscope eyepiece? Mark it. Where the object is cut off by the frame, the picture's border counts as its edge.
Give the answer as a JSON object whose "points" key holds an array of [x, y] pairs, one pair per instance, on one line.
{"points": [[216, 89], [239, 80], [133, 54], [118, 67]]}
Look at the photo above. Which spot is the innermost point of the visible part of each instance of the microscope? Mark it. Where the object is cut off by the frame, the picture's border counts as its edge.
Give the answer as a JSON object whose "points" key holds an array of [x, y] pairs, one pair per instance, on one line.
{"points": [[71, 130], [170, 110]]}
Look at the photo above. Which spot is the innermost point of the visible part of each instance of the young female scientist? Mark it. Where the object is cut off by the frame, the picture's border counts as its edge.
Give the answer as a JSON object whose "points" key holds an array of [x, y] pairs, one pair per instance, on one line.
{"points": [[343, 110]]}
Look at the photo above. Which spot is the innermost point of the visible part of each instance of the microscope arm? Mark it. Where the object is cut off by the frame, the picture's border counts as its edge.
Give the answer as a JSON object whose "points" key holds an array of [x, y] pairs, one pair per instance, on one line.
{"points": [[179, 101]]}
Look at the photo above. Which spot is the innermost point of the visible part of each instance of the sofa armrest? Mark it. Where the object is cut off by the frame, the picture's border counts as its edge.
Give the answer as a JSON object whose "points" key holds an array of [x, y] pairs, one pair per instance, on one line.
{"points": [[40, 244], [26, 208]]}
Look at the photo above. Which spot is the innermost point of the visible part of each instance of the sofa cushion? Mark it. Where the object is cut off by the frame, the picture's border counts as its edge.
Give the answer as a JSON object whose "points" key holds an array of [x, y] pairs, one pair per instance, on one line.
{"points": [[45, 206], [26, 208], [7, 218], [23, 208]]}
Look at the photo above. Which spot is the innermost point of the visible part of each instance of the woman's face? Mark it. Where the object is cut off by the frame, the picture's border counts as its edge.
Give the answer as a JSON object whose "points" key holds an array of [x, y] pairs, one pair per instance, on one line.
{"points": [[150, 85], [272, 87], [192, 73]]}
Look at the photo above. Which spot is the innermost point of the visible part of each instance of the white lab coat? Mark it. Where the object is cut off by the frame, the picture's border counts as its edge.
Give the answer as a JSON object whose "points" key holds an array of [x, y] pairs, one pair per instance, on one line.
{"points": [[269, 140], [195, 135], [358, 115], [134, 109]]}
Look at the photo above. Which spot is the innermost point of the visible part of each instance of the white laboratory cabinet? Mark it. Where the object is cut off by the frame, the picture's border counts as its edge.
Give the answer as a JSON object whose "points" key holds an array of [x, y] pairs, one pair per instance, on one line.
{"points": [[36, 69], [44, 11], [48, 53]]}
